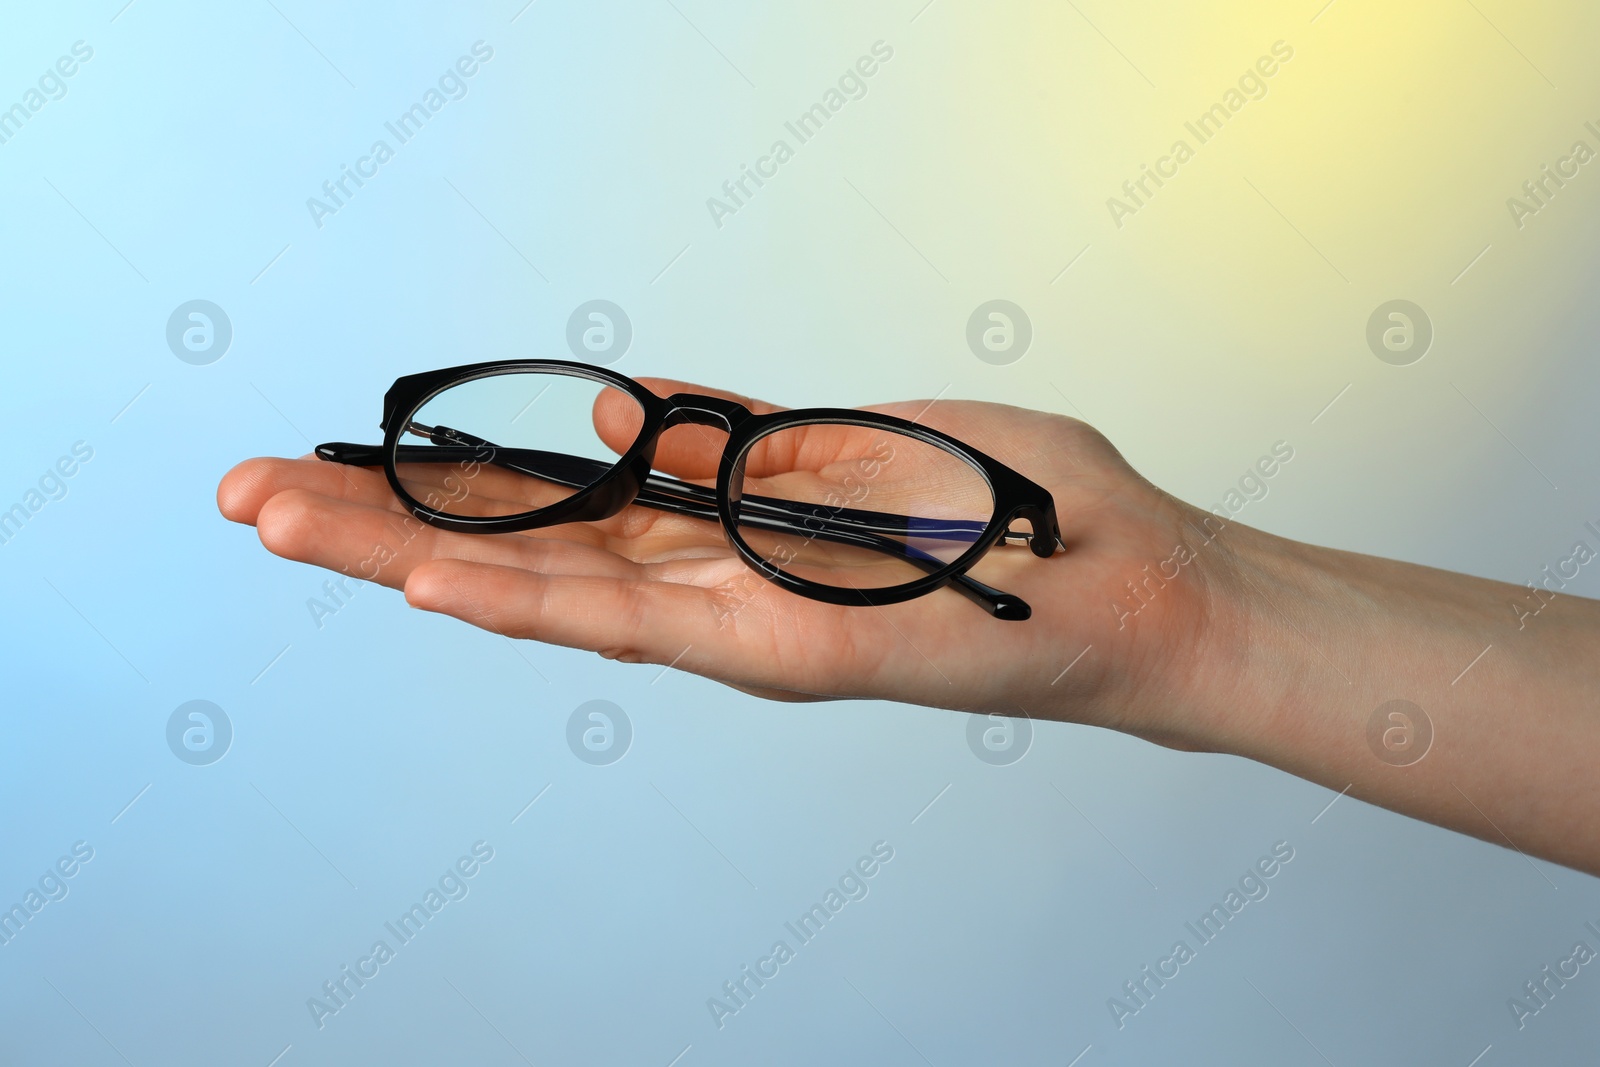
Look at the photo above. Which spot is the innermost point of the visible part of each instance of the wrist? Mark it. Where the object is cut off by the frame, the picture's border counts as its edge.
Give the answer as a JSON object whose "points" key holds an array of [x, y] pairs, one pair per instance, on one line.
{"points": [[1309, 642], [1412, 688], [1283, 661], [1227, 687]]}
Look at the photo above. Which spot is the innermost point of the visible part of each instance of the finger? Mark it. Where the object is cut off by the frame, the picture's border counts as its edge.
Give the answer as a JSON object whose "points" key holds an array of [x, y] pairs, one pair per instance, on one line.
{"points": [[695, 452], [686, 451], [784, 696], [639, 621], [374, 544], [480, 490], [249, 485], [814, 447], [668, 386]]}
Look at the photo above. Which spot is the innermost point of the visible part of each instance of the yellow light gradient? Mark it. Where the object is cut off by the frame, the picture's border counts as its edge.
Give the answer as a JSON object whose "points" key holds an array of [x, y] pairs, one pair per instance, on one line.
{"points": [[1231, 306]]}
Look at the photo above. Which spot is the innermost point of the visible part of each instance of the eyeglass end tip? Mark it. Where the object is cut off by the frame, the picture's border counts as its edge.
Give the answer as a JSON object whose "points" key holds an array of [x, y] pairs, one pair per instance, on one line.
{"points": [[1012, 609]]}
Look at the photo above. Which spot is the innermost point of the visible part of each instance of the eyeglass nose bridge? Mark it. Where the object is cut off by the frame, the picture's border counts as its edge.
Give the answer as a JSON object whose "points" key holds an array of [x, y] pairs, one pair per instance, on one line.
{"points": [[704, 410]]}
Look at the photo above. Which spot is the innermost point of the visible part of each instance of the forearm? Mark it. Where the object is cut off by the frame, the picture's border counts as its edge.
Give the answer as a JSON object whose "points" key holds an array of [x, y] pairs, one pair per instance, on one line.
{"points": [[1321, 639]]}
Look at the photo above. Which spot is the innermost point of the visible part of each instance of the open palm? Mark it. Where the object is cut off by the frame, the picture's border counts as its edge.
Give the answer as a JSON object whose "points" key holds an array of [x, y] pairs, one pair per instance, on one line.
{"points": [[654, 587]]}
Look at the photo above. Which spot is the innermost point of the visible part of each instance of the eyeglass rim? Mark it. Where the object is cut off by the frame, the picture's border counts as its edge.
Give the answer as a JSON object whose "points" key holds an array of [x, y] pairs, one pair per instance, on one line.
{"points": [[409, 394], [773, 423], [1015, 497]]}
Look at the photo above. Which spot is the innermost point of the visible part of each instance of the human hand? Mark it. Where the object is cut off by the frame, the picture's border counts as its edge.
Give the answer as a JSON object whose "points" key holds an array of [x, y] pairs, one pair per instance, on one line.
{"points": [[652, 587]]}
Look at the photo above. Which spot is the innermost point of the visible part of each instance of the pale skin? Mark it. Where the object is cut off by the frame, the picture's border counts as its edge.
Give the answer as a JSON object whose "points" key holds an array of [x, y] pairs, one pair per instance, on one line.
{"points": [[1260, 646]]}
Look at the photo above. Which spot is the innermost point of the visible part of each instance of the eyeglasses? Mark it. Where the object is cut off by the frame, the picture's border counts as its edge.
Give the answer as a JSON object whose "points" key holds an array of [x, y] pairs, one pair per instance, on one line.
{"points": [[843, 506]]}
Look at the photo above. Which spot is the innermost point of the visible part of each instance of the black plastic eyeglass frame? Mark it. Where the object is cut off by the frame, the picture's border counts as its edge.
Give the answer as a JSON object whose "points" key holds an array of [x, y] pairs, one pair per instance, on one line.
{"points": [[607, 487]]}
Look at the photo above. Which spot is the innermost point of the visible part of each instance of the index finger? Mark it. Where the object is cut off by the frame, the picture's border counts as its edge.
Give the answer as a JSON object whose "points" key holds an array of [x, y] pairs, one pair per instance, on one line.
{"points": [[686, 451]]}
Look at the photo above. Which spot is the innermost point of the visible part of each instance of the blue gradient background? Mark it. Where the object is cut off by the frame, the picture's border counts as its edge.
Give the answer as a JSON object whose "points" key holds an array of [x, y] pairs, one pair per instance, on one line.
{"points": [[372, 751]]}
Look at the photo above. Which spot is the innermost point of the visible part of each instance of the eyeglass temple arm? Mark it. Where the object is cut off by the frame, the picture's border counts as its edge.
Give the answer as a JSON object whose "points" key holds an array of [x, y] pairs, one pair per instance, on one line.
{"points": [[850, 526], [578, 472]]}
